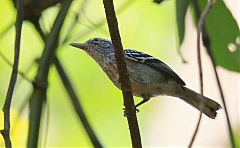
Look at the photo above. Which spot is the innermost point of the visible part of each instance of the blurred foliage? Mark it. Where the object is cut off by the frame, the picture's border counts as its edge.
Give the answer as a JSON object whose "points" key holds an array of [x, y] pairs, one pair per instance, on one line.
{"points": [[223, 31], [181, 10]]}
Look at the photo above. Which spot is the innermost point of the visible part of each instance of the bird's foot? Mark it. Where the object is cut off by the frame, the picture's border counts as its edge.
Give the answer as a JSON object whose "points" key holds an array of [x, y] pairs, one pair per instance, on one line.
{"points": [[126, 114]]}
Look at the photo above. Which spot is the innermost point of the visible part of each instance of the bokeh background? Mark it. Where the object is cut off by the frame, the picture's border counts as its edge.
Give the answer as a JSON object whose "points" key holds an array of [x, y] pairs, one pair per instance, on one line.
{"points": [[163, 121]]}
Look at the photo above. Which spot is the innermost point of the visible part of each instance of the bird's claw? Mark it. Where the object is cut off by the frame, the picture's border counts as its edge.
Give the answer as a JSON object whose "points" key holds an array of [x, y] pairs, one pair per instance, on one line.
{"points": [[126, 114], [137, 110]]}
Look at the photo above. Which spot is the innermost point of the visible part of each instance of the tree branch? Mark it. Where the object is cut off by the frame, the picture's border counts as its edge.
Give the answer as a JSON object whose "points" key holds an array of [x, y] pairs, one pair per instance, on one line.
{"points": [[206, 43], [123, 74], [76, 104], [40, 83], [7, 105]]}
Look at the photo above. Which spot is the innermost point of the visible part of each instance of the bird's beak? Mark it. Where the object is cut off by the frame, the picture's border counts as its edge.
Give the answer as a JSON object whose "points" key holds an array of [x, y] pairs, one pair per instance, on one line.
{"points": [[79, 45]]}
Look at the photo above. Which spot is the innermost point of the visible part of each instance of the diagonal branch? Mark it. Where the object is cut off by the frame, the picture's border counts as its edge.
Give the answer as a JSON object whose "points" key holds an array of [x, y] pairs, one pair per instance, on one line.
{"points": [[40, 83], [123, 74], [76, 104], [7, 105], [21, 73]]}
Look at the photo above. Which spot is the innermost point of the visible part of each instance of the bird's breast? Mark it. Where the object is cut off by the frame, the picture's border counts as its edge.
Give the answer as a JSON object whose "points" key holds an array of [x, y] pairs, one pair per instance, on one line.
{"points": [[144, 79]]}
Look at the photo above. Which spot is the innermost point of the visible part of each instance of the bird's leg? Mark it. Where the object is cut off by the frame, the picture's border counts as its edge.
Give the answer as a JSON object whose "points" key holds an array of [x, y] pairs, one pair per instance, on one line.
{"points": [[125, 113], [145, 99], [142, 102]]}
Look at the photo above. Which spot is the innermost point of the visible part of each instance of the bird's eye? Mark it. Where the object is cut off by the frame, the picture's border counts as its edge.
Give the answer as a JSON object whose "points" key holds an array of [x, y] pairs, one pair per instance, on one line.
{"points": [[105, 44], [95, 41]]}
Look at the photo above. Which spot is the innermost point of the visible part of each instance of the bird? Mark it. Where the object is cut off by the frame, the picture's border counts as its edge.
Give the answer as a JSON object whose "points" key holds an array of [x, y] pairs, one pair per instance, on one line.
{"points": [[149, 76]]}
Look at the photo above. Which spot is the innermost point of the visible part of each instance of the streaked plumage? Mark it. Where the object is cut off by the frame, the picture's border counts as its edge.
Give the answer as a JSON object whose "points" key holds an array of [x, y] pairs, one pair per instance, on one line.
{"points": [[153, 62], [149, 76]]}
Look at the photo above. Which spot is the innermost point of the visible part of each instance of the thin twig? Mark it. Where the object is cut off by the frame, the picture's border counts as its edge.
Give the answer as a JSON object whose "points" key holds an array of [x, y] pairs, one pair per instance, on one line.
{"points": [[40, 83], [21, 73], [92, 24], [75, 102], [99, 24], [206, 43], [123, 73], [73, 23], [8, 28], [39, 29], [7, 105], [199, 30], [224, 103], [25, 102]]}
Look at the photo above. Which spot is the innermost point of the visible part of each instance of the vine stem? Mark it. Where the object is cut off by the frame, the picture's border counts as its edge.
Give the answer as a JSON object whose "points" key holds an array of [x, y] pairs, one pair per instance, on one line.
{"points": [[199, 30], [6, 108], [206, 43]]}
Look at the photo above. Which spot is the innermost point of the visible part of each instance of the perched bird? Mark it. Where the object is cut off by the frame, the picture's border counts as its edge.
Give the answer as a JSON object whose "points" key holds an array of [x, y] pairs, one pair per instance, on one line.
{"points": [[149, 76]]}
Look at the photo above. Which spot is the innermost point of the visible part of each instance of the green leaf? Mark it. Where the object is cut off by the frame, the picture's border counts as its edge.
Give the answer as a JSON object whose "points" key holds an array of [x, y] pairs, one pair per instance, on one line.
{"points": [[181, 9], [223, 31]]}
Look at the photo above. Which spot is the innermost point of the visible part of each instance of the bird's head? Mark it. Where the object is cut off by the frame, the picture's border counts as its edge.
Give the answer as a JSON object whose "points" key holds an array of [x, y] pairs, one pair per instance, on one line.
{"points": [[95, 45]]}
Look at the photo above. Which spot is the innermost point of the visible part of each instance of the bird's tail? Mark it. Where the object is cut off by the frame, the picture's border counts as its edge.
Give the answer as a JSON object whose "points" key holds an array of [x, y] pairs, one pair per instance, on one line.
{"points": [[202, 103]]}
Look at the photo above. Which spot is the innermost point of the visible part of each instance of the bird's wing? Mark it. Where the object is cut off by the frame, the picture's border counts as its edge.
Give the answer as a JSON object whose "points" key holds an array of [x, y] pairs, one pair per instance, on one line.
{"points": [[144, 58]]}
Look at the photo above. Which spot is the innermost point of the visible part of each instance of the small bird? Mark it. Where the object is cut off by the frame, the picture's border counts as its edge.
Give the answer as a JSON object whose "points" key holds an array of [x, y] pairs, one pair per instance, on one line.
{"points": [[149, 76]]}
